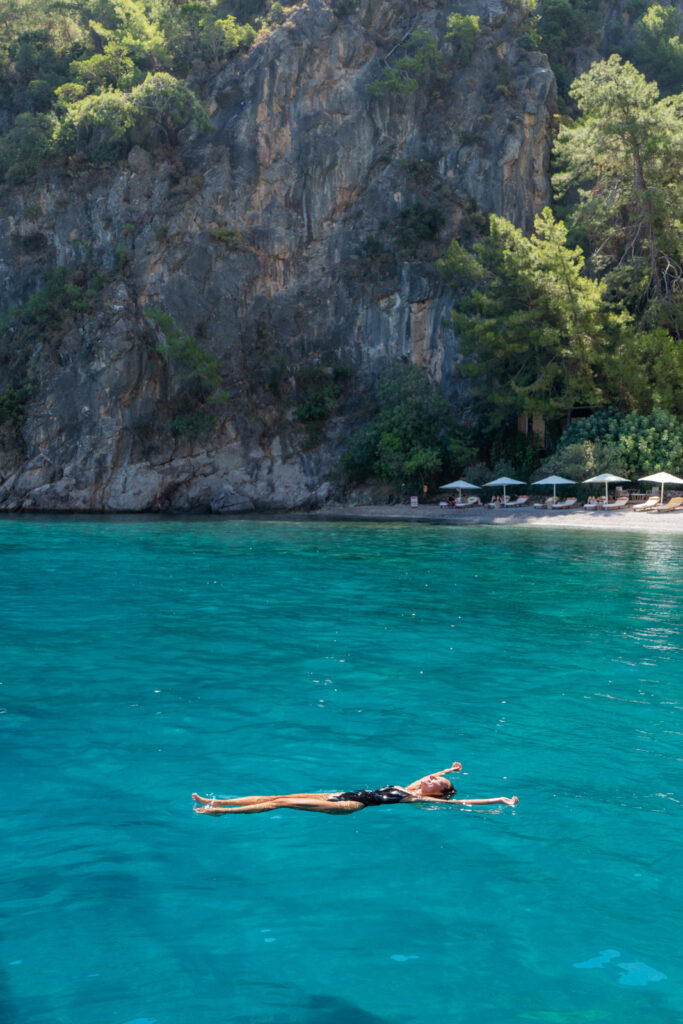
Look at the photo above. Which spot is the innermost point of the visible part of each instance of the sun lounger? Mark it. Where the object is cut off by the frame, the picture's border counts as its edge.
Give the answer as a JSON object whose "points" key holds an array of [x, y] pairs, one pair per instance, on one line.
{"points": [[518, 502], [546, 503], [592, 504], [619, 503], [567, 503], [644, 506], [467, 503], [673, 505]]}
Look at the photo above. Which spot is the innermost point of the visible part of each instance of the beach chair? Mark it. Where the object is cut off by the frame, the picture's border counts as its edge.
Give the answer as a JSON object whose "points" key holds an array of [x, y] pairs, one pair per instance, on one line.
{"points": [[619, 503], [518, 502], [644, 506], [567, 503], [546, 503], [467, 503], [592, 504], [673, 505]]}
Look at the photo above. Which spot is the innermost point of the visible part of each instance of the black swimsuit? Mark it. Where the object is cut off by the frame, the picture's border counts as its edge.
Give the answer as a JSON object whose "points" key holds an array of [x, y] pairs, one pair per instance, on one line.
{"points": [[373, 797]]}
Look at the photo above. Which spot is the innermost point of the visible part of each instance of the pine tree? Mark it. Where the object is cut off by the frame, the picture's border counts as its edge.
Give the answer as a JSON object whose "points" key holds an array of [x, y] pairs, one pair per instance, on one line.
{"points": [[533, 329], [624, 155]]}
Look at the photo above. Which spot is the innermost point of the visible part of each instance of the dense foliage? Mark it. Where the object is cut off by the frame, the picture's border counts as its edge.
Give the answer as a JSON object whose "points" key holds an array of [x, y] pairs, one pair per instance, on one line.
{"points": [[627, 444], [547, 325], [90, 77], [412, 439], [624, 155], [648, 36], [534, 329]]}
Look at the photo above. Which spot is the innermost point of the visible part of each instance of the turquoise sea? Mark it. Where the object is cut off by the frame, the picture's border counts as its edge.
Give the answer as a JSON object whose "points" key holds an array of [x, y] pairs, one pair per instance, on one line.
{"points": [[142, 659]]}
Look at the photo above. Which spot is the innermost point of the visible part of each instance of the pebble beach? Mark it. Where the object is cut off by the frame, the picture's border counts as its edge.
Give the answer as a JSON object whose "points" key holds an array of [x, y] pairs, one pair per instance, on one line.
{"points": [[525, 517]]}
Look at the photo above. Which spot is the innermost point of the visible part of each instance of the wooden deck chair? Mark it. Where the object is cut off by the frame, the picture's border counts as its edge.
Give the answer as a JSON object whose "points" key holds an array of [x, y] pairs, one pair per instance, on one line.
{"points": [[644, 506], [567, 503], [673, 505], [619, 503]]}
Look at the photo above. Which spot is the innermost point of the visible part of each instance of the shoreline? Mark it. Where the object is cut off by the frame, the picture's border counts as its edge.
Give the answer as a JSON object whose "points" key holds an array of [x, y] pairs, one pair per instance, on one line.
{"points": [[574, 519], [618, 520]]}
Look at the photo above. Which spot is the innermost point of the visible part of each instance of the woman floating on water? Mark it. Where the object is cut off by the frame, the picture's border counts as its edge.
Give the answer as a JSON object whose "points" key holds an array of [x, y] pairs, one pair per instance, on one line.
{"points": [[425, 790]]}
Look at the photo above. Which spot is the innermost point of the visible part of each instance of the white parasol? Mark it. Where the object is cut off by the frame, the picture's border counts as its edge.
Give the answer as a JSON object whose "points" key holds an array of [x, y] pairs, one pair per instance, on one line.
{"points": [[606, 479], [459, 486], [662, 478], [554, 480], [505, 481]]}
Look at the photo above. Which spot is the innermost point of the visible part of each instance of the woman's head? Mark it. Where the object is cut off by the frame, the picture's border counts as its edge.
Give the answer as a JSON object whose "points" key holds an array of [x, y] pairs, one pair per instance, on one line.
{"points": [[437, 787]]}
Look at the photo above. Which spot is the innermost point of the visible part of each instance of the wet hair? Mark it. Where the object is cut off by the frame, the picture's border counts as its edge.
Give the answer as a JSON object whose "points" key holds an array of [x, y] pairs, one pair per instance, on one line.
{"points": [[446, 789]]}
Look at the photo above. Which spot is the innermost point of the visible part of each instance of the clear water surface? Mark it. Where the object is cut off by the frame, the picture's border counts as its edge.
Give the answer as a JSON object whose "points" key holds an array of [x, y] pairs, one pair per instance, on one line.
{"points": [[143, 659]]}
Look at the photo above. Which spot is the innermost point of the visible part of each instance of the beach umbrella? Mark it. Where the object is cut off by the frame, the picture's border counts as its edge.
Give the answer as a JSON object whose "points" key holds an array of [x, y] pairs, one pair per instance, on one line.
{"points": [[505, 481], [606, 479], [662, 478], [459, 486], [554, 480]]}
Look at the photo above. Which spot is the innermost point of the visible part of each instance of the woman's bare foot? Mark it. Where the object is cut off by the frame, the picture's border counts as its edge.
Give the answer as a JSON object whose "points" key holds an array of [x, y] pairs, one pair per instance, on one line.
{"points": [[202, 799], [511, 801], [208, 808]]}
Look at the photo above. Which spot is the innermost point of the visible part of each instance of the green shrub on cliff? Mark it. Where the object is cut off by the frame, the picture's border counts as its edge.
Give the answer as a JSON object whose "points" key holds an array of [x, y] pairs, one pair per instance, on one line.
{"points": [[462, 33], [65, 295], [25, 146], [420, 60], [196, 370], [419, 223], [103, 126], [13, 403], [94, 76]]}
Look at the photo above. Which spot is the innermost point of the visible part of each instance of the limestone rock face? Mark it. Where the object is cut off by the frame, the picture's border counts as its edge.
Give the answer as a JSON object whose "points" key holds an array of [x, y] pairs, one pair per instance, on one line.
{"points": [[290, 238]]}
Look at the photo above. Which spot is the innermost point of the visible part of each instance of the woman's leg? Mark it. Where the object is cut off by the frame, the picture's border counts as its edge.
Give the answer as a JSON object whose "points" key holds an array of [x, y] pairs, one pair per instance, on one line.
{"points": [[252, 808], [306, 802], [243, 800]]}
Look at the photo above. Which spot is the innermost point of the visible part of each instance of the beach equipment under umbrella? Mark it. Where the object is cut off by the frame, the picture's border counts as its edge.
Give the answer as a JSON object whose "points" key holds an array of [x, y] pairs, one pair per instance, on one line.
{"points": [[554, 480], [505, 481], [459, 486], [662, 478], [606, 479]]}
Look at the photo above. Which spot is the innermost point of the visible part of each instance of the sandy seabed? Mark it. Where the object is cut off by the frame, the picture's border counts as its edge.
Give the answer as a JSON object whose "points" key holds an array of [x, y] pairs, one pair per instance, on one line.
{"points": [[572, 519]]}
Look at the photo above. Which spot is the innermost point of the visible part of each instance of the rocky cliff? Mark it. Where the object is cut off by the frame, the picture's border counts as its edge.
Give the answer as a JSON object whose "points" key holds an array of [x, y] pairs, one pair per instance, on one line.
{"points": [[295, 243]]}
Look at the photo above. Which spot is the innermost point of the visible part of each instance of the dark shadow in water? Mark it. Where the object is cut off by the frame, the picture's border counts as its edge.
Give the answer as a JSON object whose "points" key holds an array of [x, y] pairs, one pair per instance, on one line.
{"points": [[8, 1007], [335, 1010]]}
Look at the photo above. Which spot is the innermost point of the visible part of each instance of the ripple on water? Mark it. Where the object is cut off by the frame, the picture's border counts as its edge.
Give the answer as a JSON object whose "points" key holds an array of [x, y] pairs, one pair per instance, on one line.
{"points": [[145, 659]]}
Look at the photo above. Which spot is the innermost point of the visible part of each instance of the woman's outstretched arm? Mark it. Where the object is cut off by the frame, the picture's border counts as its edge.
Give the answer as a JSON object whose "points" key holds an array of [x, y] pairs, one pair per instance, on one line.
{"points": [[455, 767], [511, 801]]}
